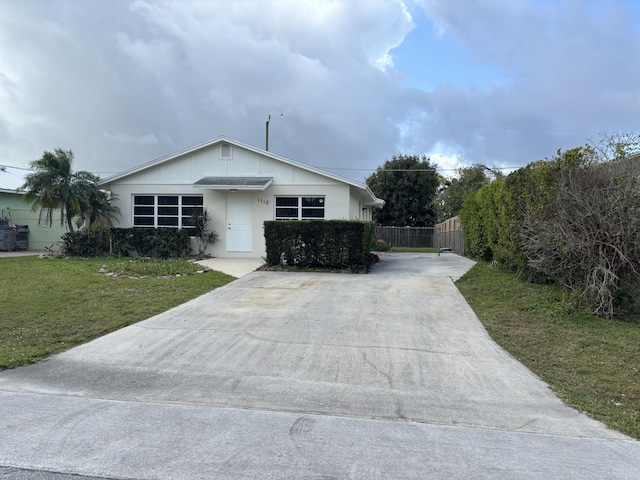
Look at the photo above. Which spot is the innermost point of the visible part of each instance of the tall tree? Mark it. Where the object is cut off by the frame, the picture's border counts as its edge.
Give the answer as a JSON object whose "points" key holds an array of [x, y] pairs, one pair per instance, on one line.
{"points": [[408, 185], [452, 193], [54, 185]]}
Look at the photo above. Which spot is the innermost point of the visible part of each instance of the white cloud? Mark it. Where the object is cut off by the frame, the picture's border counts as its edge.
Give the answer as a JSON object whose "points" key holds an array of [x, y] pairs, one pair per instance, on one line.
{"points": [[123, 82], [447, 163], [570, 70]]}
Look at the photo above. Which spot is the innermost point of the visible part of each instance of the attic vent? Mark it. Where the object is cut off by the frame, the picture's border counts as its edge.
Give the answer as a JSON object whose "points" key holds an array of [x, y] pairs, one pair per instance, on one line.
{"points": [[225, 150]]}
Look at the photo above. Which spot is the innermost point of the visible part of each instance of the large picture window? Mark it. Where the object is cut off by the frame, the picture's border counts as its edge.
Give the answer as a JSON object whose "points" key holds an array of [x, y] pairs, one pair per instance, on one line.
{"points": [[299, 208], [165, 211]]}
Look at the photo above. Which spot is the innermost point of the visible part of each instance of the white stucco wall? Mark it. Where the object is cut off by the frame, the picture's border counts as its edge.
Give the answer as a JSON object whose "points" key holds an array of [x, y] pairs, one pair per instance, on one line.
{"points": [[176, 177]]}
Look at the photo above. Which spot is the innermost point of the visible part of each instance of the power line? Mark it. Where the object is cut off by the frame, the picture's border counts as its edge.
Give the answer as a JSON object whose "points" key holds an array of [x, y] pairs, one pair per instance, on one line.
{"points": [[411, 169]]}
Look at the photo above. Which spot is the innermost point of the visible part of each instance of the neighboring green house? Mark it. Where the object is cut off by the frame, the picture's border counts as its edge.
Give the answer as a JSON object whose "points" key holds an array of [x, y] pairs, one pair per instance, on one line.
{"points": [[13, 208]]}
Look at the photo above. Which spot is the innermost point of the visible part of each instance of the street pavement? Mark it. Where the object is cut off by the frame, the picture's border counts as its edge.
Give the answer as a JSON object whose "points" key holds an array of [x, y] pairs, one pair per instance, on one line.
{"points": [[282, 375]]}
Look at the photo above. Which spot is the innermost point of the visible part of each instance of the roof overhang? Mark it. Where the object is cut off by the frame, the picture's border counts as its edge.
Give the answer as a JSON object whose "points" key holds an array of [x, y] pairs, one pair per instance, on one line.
{"points": [[234, 183]]}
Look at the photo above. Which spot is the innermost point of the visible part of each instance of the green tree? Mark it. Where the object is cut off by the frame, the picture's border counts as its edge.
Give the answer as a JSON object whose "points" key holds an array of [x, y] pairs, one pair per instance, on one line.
{"points": [[408, 185], [452, 193], [54, 185], [97, 211]]}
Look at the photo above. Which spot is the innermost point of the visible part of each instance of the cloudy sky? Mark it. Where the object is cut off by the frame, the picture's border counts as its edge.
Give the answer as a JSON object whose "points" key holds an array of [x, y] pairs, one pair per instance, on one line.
{"points": [[347, 83]]}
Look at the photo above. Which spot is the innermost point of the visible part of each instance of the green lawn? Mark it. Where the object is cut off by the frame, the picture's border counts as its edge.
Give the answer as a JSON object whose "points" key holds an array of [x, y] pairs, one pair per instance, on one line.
{"points": [[414, 250], [50, 305], [591, 363]]}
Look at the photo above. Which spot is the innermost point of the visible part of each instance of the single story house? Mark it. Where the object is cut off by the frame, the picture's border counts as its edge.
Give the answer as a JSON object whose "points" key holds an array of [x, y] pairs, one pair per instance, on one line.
{"points": [[240, 187], [14, 209]]}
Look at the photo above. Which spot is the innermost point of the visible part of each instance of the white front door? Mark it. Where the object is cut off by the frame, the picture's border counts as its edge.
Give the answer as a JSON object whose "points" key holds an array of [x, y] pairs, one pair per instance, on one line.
{"points": [[238, 223]]}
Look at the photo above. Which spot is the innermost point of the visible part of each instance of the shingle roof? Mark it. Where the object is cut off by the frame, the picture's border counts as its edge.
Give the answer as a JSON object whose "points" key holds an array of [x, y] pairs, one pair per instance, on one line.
{"points": [[12, 178], [243, 183]]}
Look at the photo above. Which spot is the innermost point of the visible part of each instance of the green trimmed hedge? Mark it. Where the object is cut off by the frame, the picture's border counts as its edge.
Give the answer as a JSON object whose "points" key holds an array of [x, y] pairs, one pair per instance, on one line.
{"points": [[331, 244], [83, 243], [150, 242]]}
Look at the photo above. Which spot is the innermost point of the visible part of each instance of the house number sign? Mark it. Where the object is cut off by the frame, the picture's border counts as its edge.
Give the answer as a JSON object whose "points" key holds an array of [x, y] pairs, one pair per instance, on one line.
{"points": [[263, 201]]}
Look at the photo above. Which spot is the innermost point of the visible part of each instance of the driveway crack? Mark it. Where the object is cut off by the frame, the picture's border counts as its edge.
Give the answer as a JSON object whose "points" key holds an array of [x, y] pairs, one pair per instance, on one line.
{"points": [[398, 404]]}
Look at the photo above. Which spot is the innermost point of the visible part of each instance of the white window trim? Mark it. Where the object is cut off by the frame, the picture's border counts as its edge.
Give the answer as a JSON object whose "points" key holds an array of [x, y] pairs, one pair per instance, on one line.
{"points": [[155, 209], [299, 207], [222, 148]]}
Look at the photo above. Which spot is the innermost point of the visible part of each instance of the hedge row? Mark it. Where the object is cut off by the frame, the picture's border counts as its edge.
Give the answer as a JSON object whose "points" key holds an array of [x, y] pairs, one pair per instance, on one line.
{"points": [[572, 220], [333, 244], [130, 242]]}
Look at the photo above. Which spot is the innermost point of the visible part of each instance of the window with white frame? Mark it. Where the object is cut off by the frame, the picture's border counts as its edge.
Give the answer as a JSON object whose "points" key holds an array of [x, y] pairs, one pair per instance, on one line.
{"points": [[299, 208], [225, 151], [166, 211]]}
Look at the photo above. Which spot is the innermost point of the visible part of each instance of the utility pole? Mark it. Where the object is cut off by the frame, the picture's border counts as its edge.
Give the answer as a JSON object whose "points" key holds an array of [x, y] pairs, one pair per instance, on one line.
{"points": [[267, 134], [266, 127]]}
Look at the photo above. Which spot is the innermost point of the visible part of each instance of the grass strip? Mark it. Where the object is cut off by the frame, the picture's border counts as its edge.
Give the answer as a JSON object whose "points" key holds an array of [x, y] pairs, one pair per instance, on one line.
{"points": [[414, 249], [592, 364], [50, 305]]}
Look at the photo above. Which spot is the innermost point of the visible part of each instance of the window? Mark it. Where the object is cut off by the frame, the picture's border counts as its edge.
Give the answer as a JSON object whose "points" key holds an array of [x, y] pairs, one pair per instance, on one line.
{"points": [[299, 208], [167, 211], [225, 151]]}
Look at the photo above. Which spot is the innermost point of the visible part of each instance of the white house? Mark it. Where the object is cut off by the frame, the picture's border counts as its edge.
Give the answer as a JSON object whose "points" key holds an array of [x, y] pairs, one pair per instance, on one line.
{"points": [[240, 187]]}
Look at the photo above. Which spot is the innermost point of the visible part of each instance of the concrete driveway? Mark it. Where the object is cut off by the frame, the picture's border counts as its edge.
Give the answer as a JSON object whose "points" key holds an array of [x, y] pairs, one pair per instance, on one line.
{"points": [[304, 375]]}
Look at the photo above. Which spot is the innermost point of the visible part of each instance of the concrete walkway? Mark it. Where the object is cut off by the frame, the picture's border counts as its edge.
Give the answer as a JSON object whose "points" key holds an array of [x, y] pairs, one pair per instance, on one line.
{"points": [[237, 267], [304, 375], [21, 253]]}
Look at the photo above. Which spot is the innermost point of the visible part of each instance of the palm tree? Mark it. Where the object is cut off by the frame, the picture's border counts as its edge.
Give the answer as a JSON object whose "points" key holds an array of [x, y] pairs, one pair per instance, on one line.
{"points": [[54, 185], [99, 212]]}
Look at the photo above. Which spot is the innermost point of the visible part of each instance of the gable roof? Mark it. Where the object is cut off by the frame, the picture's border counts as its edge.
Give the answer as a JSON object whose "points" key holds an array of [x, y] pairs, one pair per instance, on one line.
{"points": [[364, 189], [12, 178]]}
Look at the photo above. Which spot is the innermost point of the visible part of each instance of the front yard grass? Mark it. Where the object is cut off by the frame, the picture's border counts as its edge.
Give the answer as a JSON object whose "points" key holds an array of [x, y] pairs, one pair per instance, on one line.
{"points": [[51, 304], [592, 364], [414, 249]]}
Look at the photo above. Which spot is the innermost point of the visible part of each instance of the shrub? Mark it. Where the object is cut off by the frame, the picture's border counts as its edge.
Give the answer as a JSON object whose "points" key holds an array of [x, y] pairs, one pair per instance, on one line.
{"points": [[333, 244], [381, 246], [150, 242], [82, 243], [205, 236], [572, 220], [472, 223], [588, 241]]}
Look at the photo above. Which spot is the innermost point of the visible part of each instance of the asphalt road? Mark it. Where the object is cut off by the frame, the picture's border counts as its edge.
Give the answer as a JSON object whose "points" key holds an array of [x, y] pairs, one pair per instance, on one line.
{"points": [[303, 375]]}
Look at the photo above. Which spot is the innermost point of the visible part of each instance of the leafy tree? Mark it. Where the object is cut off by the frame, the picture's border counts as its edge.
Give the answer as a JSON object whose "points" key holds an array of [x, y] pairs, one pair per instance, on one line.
{"points": [[54, 186], [408, 185], [452, 193]]}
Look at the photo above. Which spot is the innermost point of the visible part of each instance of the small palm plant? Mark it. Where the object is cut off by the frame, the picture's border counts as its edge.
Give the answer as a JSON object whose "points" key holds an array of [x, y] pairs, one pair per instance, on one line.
{"points": [[205, 236]]}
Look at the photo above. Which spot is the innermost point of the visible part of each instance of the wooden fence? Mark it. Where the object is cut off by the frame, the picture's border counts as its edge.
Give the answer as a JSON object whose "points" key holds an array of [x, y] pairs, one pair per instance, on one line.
{"points": [[449, 235]]}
